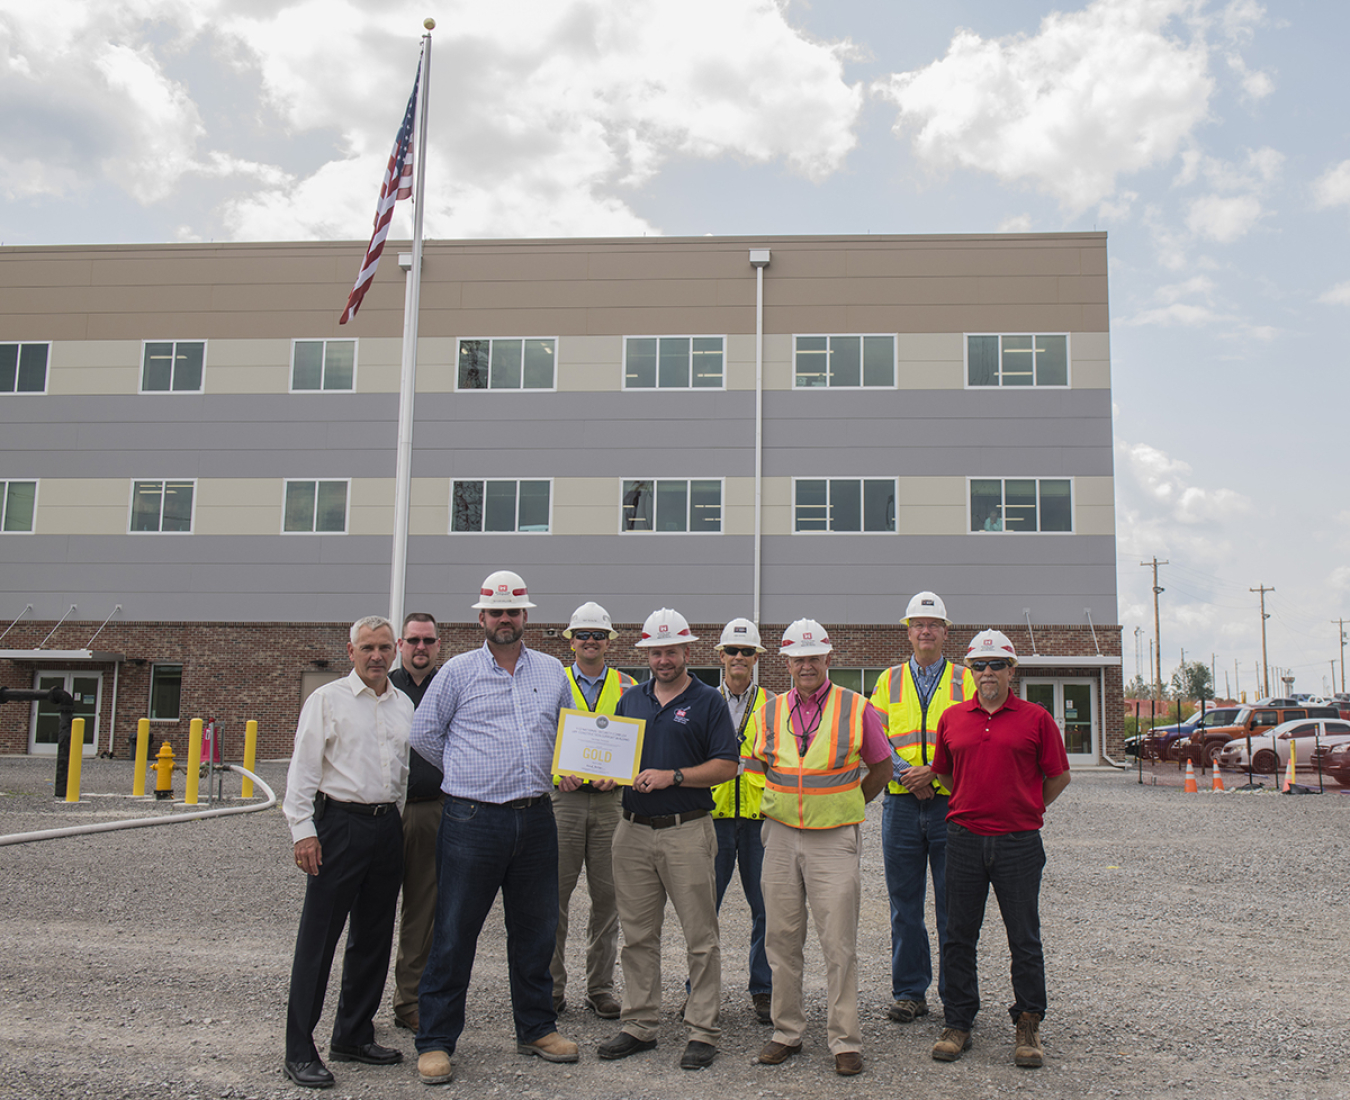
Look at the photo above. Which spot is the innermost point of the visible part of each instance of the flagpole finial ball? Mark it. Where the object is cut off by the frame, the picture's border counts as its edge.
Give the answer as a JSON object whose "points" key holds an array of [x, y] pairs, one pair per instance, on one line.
{"points": [[430, 24]]}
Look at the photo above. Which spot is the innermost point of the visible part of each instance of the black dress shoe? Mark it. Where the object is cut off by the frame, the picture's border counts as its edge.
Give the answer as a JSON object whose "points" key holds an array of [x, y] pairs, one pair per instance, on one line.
{"points": [[622, 1045], [697, 1055], [371, 1053], [309, 1075]]}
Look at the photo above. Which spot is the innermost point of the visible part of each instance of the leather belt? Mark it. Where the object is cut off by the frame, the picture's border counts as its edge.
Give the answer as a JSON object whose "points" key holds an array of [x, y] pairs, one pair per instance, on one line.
{"points": [[514, 804], [666, 821], [368, 809]]}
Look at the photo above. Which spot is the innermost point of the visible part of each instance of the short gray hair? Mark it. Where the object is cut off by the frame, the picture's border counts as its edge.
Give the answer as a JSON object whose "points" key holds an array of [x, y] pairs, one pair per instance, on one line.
{"points": [[370, 622]]}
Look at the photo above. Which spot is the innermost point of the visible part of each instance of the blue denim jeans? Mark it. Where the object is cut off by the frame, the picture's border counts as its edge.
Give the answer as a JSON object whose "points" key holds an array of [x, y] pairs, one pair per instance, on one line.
{"points": [[738, 840], [1011, 863], [913, 840], [481, 849]]}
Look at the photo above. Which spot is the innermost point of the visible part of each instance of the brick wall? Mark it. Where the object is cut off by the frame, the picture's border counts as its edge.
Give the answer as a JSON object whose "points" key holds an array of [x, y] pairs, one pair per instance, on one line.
{"points": [[234, 672]]}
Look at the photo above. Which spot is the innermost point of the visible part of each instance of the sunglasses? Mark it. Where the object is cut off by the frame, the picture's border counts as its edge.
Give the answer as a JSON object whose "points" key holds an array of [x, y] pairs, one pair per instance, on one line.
{"points": [[417, 643], [992, 666], [740, 650], [590, 635]]}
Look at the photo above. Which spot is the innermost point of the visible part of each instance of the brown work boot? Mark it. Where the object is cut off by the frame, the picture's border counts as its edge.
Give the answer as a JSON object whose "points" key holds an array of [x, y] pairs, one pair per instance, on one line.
{"points": [[904, 1011], [434, 1067], [1028, 1052], [763, 1005], [774, 1054], [848, 1064], [951, 1045], [551, 1048]]}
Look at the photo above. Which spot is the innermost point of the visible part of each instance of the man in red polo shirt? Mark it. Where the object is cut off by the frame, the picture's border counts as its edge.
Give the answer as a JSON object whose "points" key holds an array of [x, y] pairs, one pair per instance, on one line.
{"points": [[1003, 759]]}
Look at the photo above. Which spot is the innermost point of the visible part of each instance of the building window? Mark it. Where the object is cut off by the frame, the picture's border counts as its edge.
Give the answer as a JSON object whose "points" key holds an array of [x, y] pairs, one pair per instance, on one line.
{"points": [[173, 367], [673, 504], [1021, 504], [323, 364], [500, 506], [506, 364], [861, 680], [847, 362], [23, 368], [316, 507], [166, 692], [844, 504], [162, 506], [673, 362], [18, 502], [1017, 360]]}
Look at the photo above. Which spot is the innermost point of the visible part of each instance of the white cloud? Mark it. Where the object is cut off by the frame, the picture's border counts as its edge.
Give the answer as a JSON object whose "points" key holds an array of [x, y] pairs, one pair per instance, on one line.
{"points": [[1202, 285], [1223, 218], [1016, 223], [1338, 295], [1332, 187], [1095, 94]]}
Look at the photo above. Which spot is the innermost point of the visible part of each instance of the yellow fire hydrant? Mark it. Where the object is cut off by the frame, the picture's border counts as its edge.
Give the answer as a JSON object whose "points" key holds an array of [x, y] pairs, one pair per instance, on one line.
{"points": [[164, 768]]}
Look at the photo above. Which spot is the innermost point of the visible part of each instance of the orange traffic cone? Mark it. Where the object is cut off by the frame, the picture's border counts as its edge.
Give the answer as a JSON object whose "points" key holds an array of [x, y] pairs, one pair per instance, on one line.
{"points": [[1289, 771], [1217, 785], [1190, 778]]}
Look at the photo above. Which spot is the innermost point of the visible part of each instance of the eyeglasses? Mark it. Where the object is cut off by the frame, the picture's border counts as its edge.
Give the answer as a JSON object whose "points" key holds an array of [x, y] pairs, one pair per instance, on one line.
{"points": [[992, 666], [590, 635], [416, 643], [740, 650]]}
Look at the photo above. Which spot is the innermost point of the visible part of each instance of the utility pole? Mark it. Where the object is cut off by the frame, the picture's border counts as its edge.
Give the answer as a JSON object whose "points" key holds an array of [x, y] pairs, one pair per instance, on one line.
{"points": [[1157, 633], [1340, 623], [1138, 650], [1265, 680]]}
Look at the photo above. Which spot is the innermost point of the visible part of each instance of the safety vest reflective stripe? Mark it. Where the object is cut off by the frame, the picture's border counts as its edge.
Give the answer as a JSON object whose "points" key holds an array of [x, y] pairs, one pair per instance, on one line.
{"points": [[823, 789], [740, 797], [910, 727], [616, 683], [821, 781]]}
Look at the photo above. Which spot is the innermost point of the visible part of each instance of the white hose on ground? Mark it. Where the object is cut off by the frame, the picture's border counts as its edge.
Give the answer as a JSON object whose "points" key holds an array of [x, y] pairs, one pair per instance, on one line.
{"points": [[146, 822]]}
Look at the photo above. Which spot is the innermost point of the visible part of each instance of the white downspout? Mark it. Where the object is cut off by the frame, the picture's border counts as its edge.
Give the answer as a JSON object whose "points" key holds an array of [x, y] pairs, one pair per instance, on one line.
{"points": [[759, 260]]}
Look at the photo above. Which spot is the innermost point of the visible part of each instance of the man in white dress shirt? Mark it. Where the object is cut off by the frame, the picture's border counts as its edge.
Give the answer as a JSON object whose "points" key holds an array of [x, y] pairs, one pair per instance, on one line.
{"points": [[344, 796]]}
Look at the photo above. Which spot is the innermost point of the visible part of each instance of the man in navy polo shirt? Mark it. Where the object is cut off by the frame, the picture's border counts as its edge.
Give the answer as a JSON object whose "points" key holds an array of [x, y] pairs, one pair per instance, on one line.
{"points": [[665, 846]]}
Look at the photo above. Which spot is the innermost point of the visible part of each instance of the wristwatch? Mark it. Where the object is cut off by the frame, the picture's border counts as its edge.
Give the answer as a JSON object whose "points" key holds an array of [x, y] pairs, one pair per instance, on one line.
{"points": [[679, 777]]}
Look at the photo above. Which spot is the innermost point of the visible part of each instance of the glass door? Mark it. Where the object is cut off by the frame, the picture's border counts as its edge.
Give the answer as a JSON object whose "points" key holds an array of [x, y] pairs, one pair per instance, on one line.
{"points": [[1074, 706], [45, 730]]}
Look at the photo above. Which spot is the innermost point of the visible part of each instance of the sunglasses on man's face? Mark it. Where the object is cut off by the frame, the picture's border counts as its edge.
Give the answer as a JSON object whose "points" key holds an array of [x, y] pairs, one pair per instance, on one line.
{"points": [[414, 643], [740, 650], [589, 635], [992, 666]]}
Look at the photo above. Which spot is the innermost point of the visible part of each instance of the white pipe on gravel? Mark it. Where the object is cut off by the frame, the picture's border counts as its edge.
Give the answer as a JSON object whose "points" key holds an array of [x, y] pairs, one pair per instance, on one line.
{"points": [[146, 822]]}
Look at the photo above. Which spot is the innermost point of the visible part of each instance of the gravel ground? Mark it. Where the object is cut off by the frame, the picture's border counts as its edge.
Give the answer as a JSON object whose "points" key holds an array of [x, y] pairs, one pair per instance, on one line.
{"points": [[1193, 946]]}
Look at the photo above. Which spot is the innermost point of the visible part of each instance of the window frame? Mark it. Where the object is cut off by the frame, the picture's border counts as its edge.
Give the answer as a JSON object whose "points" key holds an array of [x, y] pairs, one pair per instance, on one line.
{"points": [[490, 388], [316, 482], [150, 697], [450, 525], [863, 675], [999, 385], [895, 489], [829, 336], [1073, 498], [323, 369], [131, 505], [658, 388], [721, 507], [4, 502], [19, 345], [201, 388]]}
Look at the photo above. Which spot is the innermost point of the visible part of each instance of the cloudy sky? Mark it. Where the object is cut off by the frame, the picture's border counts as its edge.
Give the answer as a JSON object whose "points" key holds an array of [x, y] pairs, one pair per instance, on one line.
{"points": [[1210, 138]]}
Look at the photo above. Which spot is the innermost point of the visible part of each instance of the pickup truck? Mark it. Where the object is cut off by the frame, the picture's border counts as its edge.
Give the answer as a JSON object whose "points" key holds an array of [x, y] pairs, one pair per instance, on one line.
{"points": [[1158, 743], [1204, 745]]}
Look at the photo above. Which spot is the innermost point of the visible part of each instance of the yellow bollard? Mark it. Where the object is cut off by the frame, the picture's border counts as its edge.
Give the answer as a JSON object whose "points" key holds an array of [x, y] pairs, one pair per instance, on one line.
{"points": [[142, 754], [250, 756], [194, 764], [164, 771], [76, 759]]}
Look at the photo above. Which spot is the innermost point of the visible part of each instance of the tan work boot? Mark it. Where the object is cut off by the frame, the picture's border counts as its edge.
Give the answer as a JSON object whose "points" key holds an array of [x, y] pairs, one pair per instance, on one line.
{"points": [[434, 1068], [1028, 1052], [551, 1048], [951, 1045]]}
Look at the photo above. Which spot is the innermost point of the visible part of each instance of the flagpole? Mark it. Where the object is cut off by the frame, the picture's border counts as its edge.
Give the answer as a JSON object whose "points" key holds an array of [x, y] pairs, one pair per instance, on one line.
{"points": [[398, 570]]}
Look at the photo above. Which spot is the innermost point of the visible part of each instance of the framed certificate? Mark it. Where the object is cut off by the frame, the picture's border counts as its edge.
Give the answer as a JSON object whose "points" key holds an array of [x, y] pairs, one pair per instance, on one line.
{"points": [[598, 746]]}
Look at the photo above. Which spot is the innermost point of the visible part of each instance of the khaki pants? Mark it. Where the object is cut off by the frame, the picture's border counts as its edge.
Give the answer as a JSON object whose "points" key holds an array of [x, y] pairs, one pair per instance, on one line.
{"points": [[420, 822], [819, 868], [586, 821], [651, 865]]}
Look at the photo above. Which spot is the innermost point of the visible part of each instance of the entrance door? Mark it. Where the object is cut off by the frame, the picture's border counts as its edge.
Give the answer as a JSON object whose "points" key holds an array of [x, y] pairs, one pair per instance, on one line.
{"points": [[45, 729], [1074, 705]]}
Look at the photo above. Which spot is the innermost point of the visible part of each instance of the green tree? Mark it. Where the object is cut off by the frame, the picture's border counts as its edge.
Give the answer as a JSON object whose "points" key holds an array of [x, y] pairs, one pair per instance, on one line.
{"points": [[1192, 680], [1137, 689]]}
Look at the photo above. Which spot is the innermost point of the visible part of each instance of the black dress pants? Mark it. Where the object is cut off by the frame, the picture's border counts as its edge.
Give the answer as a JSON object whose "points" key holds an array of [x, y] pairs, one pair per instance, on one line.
{"points": [[360, 877]]}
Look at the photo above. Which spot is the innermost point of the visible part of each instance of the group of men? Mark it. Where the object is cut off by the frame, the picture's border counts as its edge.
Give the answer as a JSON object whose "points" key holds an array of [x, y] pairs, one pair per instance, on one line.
{"points": [[728, 776]]}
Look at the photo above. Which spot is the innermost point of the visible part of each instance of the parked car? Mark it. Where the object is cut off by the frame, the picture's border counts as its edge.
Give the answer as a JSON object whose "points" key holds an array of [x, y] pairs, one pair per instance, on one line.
{"points": [[1160, 742], [1336, 764], [1270, 750], [1204, 745]]}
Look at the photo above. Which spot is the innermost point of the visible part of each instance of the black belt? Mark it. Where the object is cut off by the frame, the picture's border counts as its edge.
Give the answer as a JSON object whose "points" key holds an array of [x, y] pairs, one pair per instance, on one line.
{"points": [[514, 804], [666, 821], [369, 809]]}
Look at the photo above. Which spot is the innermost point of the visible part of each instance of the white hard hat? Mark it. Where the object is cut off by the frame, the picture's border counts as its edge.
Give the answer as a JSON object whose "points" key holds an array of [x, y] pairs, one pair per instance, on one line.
{"points": [[590, 616], [665, 627], [991, 645], [926, 605], [503, 589], [805, 638], [740, 632]]}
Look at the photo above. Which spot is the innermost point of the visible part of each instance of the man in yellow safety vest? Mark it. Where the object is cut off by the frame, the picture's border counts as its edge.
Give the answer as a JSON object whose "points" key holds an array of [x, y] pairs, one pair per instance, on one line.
{"points": [[913, 696]]}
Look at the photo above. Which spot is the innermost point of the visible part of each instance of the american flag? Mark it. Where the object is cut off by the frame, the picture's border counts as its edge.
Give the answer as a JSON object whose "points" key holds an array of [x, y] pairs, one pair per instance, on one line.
{"points": [[397, 184]]}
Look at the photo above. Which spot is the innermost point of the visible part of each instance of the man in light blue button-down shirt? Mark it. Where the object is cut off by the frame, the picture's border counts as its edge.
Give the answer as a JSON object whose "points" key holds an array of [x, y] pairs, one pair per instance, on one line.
{"points": [[490, 718]]}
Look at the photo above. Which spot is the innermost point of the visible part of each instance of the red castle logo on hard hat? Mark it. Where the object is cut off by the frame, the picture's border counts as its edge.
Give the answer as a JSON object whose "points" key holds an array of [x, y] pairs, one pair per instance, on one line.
{"points": [[663, 629], [502, 588], [806, 635]]}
